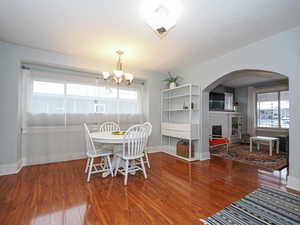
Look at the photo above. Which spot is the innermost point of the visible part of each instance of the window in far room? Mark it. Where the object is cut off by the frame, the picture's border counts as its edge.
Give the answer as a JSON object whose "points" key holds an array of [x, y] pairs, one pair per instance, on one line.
{"points": [[273, 110]]}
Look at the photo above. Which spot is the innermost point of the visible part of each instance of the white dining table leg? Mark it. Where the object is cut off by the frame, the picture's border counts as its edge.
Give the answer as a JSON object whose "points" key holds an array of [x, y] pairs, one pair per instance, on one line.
{"points": [[270, 147], [258, 145], [117, 148], [251, 139], [277, 146]]}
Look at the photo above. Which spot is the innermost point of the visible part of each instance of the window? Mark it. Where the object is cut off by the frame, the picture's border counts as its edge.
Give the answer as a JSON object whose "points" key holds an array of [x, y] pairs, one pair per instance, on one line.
{"points": [[273, 110], [64, 97], [55, 97], [228, 101], [284, 109], [128, 101], [49, 88], [48, 97]]}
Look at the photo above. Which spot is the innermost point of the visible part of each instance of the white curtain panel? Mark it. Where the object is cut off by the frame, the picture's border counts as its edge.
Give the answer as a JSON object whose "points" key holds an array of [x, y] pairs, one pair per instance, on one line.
{"points": [[251, 114], [51, 99], [56, 104], [228, 101]]}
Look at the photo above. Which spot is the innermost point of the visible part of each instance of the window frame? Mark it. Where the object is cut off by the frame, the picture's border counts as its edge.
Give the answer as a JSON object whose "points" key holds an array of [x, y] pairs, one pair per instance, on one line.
{"points": [[279, 110]]}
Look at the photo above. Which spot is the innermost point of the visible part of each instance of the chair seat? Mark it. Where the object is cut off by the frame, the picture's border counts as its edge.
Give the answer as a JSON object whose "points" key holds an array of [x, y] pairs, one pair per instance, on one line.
{"points": [[218, 141], [101, 152], [120, 154]]}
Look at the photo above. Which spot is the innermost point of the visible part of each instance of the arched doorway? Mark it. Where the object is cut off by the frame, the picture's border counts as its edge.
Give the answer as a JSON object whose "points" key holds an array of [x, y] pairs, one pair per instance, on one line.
{"points": [[246, 77]]}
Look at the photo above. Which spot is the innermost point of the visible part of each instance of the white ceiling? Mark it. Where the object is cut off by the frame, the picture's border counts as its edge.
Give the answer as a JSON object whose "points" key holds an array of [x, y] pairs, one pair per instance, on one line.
{"points": [[95, 29], [250, 77]]}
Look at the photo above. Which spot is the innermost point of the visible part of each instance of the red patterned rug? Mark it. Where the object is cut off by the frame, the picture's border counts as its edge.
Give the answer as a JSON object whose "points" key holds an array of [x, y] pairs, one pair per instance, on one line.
{"points": [[256, 158]]}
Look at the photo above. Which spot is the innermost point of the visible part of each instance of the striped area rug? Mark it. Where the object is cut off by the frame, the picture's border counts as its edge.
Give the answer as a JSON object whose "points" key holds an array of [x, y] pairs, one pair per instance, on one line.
{"points": [[263, 206]]}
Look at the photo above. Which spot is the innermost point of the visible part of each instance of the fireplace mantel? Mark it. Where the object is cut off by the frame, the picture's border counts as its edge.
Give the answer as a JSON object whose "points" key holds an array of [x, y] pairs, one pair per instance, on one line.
{"points": [[226, 120]]}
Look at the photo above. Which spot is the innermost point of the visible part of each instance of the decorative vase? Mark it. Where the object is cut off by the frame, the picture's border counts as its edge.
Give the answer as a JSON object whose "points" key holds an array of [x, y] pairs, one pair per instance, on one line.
{"points": [[172, 85]]}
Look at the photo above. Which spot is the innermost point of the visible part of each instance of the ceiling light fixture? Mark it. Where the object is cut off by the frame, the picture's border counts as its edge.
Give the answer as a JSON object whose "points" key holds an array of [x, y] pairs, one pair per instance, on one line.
{"points": [[118, 74], [162, 15]]}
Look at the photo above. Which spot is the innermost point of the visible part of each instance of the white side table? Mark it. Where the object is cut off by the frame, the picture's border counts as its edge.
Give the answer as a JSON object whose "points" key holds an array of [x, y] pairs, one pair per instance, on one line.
{"points": [[268, 140]]}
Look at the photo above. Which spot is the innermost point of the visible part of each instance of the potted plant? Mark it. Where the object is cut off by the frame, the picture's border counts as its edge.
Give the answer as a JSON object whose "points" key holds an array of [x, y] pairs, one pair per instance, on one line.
{"points": [[172, 80]]}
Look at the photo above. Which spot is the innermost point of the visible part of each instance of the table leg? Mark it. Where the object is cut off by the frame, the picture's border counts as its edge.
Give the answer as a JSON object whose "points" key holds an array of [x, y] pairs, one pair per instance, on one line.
{"points": [[277, 146], [117, 148], [113, 165], [258, 146], [271, 147], [250, 144]]}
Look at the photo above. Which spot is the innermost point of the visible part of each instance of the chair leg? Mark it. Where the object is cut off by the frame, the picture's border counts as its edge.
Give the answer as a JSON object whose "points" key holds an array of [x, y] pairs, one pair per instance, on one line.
{"points": [[143, 167], [126, 172], [147, 159], [105, 163], [90, 169], [117, 165], [87, 165], [110, 166]]}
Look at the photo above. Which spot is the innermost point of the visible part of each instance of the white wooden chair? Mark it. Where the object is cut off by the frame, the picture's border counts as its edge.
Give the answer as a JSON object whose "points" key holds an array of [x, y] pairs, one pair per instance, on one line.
{"points": [[109, 127], [148, 126], [92, 153], [133, 149]]}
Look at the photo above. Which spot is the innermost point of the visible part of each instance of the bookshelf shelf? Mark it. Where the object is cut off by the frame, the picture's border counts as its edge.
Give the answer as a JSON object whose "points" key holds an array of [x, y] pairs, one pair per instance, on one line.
{"points": [[180, 118]]}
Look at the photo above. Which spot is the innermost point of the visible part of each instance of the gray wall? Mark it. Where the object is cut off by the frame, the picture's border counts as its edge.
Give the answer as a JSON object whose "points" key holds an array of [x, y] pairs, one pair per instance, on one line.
{"points": [[11, 57], [279, 53]]}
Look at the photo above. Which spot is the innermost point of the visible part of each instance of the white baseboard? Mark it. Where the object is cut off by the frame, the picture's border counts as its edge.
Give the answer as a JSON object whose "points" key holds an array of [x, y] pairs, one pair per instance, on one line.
{"points": [[12, 168], [166, 149], [54, 158], [16, 167], [153, 149], [204, 156], [293, 183]]}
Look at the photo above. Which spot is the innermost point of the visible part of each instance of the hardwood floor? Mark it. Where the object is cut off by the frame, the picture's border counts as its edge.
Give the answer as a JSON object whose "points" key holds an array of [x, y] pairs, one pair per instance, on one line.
{"points": [[174, 193]]}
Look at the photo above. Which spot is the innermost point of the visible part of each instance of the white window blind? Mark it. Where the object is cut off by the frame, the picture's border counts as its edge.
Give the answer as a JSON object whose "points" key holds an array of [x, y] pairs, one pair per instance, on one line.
{"points": [[63, 99]]}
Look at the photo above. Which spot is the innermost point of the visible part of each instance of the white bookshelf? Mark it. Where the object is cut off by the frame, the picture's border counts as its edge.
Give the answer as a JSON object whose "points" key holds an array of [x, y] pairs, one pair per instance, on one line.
{"points": [[180, 118]]}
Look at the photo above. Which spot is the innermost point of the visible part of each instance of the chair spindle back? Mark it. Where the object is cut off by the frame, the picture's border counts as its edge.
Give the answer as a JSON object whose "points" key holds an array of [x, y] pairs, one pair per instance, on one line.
{"points": [[134, 141], [90, 147], [109, 127]]}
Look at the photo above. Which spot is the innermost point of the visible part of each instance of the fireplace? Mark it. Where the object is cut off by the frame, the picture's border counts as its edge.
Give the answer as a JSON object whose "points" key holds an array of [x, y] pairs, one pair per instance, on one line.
{"points": [[216, 130]]}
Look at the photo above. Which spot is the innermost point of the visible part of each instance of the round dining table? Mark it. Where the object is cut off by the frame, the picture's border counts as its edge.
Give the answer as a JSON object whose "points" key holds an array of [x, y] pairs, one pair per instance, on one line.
{"points": [[109, 138]]}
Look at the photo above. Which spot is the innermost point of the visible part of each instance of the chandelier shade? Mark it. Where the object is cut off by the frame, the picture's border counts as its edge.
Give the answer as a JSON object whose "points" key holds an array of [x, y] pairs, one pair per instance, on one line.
{"points": [[118, 75]]}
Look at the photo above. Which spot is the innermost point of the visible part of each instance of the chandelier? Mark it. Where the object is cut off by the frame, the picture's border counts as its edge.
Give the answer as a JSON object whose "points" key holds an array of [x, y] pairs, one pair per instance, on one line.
{"points": [[118, 75]]}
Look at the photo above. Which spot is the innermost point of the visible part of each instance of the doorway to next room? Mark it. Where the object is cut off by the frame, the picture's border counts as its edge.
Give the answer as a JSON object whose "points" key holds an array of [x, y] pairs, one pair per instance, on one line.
{"points": [[249, 118]]}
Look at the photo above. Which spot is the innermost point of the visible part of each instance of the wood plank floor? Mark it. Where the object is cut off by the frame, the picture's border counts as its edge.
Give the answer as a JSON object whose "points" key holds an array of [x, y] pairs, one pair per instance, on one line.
{"points": [[176, 192]]}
